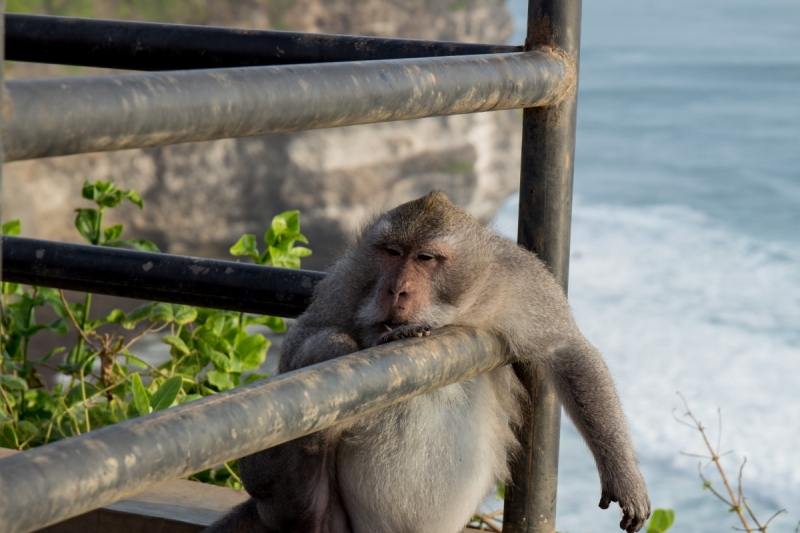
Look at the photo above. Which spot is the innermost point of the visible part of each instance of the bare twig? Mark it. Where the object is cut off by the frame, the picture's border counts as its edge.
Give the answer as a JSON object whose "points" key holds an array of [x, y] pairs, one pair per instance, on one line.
{"points": [[735, 503], [491, 524]]}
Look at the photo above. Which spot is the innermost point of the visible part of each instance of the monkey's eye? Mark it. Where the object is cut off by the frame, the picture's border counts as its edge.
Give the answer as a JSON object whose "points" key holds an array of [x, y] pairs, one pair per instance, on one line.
{"points": [[424, 257], [393, 251]]}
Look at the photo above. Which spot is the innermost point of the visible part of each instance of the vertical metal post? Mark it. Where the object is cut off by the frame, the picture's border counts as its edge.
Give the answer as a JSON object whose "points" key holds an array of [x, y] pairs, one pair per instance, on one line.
{"points": [[545, 210]]}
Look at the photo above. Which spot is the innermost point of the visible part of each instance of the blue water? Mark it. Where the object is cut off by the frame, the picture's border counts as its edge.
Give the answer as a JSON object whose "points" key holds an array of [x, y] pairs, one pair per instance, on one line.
{"points": [[685, 265]]}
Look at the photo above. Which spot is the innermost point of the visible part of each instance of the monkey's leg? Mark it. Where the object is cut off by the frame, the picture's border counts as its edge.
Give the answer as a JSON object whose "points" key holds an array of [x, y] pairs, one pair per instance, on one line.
{"points": [[294, 487], [242, 519], [587, 393]]}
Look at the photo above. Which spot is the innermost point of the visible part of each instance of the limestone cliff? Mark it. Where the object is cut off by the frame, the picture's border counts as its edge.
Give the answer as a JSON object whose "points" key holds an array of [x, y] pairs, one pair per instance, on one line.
{"points": [[199, 198]]}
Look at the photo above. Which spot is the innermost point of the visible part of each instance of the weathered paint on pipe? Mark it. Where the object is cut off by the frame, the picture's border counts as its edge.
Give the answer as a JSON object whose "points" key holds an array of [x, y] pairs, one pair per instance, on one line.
{"points": [[545, 212], [151, 46], [59, 116], [168, 278], [54, 482]]}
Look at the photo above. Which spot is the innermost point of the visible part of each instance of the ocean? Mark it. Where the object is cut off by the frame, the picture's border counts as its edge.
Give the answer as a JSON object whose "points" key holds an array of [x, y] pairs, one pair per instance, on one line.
{"points": [[685, 265]]}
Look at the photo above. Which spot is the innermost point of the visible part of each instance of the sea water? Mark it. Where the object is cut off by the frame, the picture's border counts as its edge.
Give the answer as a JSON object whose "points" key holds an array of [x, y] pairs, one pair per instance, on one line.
{"points": [[685, 261]]}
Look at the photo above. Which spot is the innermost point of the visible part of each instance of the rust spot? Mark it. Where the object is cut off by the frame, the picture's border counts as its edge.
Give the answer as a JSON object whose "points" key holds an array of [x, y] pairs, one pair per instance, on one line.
{"points": [[540, 34]]}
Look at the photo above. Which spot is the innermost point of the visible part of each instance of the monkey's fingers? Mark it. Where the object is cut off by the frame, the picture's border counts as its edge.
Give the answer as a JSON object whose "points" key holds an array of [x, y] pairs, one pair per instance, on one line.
{"points": [[605, 500], [632, 523], [404, 332]]}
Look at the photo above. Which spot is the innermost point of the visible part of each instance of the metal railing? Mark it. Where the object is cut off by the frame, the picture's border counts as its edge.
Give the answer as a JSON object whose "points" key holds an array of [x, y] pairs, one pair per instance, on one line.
{"points": [[231, 83]]}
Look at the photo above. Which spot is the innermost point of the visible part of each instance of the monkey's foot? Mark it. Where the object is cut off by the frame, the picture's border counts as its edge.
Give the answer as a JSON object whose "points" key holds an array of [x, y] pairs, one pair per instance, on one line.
{"points": [[403, 332]]}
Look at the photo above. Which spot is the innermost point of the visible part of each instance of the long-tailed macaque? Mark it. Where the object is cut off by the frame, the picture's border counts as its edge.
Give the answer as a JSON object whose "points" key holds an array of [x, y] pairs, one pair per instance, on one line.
{"points": [[425, 465]]}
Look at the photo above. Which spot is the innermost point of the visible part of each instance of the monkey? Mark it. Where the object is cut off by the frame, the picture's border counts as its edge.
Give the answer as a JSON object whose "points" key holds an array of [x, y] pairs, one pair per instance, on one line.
{"points": [[425, 465]]}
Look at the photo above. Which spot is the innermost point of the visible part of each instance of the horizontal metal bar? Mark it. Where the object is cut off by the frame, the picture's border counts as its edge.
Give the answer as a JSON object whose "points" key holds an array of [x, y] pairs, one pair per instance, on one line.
{"points": [[70, 477], [59, 116], [160, 277], [149, 46]]}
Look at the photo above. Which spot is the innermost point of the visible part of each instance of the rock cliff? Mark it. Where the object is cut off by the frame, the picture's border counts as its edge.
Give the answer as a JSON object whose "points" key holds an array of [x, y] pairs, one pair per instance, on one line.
{"points": [[199, 198]]}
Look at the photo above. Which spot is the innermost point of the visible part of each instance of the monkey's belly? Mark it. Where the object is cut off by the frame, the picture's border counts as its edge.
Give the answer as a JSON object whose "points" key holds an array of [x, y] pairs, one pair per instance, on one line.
{"points": [[424, 465]]}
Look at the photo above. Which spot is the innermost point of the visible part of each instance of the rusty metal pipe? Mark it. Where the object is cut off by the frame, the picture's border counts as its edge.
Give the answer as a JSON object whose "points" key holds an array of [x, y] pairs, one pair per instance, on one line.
{"points": [[59, 116], [152, 46], [545, 212], [57, 481], [168, 278]]}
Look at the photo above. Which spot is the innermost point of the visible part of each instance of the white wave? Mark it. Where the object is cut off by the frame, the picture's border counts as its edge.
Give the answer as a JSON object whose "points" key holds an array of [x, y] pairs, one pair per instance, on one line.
{"points": [[676, 303]]}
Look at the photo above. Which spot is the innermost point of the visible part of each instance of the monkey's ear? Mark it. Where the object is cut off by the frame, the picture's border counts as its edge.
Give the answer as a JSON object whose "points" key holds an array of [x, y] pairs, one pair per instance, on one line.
{"points": [[437, 196]]}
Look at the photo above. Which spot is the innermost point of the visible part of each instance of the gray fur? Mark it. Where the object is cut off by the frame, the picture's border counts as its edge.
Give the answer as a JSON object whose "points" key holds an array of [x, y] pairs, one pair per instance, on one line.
{"points": [[425, 465]]}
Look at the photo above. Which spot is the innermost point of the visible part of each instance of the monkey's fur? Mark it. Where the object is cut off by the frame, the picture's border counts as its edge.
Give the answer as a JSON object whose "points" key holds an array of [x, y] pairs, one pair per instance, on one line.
{"points": [[425, 465]]}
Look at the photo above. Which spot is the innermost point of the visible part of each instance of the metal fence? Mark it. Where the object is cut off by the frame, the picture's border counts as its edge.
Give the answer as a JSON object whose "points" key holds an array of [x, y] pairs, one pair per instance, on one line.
{"points": [[213, 83]]}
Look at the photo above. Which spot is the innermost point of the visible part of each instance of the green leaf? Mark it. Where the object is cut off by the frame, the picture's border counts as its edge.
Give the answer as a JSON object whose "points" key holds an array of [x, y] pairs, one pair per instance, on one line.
{"points": [[294, 236], [135, 361], [300, 251], [12, 227], [117, 316], [291, 219], [134, 196], [220, 380], [276, 230], [166, 393], [88, 190], [176, 343], [137, 315], [252, 378], [275, 323], [282, 259], [113, 233], [111, 198], [140, 400], [86, 222], [59, 326], [75, 394], [12, 288], [162, 312], [27, 428], [220, 360], [661, 520], [189, 398], [251, 350], [12, 383], [51, 353], [246, 245], [143, 245], [9, 437], [184, 314]]}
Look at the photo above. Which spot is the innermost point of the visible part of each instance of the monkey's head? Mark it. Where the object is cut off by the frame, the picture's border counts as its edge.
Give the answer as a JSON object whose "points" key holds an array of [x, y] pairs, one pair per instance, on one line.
{"points": [[425, 256]]}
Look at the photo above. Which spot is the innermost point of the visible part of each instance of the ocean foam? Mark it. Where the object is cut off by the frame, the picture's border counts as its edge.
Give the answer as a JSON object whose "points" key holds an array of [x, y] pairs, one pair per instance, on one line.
{"points": [[677, 303]]}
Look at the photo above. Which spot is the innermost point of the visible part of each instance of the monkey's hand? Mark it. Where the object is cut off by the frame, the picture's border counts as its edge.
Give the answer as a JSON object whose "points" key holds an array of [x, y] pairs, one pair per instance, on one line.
{"points": [[403, 332], [633, 500]]}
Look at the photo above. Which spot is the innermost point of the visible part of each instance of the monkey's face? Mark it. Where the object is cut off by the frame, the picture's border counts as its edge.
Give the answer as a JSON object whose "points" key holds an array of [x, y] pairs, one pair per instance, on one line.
{"points": [[406, 292]]}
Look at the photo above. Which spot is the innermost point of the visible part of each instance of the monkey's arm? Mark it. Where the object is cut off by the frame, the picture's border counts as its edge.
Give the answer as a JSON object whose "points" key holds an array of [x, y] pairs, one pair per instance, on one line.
{"points": [[310, 345], [587, 392]]}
